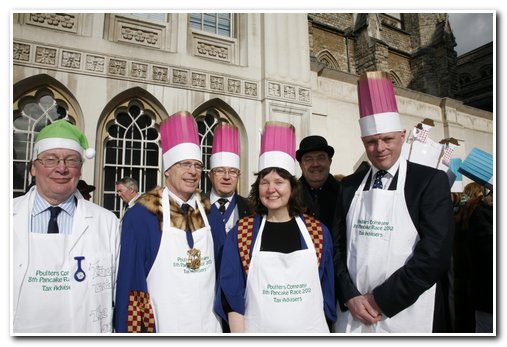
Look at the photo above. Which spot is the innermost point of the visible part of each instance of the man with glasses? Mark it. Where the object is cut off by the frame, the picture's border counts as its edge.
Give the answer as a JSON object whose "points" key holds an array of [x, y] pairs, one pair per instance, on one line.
{"points": [[320, 188], [167, 268], [226, 205], [64, 247]]}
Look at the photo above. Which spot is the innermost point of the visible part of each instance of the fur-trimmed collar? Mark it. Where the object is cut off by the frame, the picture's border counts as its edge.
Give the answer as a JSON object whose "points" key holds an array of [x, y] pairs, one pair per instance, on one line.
{"points": [[152, 200]]}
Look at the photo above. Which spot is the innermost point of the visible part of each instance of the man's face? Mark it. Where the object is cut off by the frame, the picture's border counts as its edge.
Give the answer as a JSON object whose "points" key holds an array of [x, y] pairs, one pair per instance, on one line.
{"points": [[183, 178], [56, 180], [315, 167], [224, 180], [126, 194], [384, 149]]}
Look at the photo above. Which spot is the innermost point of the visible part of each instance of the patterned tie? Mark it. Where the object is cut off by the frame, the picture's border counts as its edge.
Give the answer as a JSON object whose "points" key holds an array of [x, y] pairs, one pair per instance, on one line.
{"points": [[53, 224], [378, 179], [222, 202]]}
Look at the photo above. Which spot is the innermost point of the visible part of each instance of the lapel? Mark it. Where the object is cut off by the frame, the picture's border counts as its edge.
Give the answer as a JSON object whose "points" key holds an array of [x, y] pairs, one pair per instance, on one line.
{"points": [[83, 219]]}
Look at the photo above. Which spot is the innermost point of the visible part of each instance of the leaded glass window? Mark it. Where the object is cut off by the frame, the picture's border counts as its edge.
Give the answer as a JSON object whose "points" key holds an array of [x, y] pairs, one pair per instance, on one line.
{"points": [[34, 112], [206, 125], [131, 149]]}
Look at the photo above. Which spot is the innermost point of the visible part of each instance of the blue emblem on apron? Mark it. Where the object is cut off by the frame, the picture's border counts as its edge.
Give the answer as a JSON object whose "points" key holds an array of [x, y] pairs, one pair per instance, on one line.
{"points": [[79, 275]]}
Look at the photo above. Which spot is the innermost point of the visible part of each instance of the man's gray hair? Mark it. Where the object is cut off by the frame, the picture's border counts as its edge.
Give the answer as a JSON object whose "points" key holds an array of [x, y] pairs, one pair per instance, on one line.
{"points": [[129, 182]]}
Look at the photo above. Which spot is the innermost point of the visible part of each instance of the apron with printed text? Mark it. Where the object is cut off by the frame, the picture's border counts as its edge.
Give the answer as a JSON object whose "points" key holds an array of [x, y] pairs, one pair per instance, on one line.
{"points": [[46, 285], [380, 239], [283, 291], [61, 292], [182, 298]]}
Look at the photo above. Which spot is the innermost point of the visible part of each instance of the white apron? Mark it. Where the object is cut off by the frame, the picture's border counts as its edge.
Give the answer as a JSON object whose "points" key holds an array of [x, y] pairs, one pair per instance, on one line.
{"points": [[65, 289], [380, 239], [283, 292], [182, 299], [46, 285]]}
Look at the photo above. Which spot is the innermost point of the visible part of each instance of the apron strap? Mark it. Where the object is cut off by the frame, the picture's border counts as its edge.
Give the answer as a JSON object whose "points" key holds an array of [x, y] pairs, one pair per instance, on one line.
{"points": [[245, 236]]}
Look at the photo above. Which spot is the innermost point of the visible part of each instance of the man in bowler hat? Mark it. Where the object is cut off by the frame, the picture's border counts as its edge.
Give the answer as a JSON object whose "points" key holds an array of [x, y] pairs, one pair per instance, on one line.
{"points": [[320, 188]]}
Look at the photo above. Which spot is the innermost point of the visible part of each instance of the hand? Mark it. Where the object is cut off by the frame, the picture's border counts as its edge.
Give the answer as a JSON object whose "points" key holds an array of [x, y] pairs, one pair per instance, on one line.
{"points": [[236, 322], [364, 309]]}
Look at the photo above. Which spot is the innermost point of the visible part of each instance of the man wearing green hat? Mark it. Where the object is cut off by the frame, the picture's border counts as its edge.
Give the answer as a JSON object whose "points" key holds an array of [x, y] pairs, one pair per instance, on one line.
{"points": [[64, 247]]}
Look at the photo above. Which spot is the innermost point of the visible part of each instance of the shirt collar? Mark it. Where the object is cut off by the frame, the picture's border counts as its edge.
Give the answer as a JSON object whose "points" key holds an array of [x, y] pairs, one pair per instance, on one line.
{"points": [[40, 205], [391, 171], [213, 197], [180, 202], [133, 200]]}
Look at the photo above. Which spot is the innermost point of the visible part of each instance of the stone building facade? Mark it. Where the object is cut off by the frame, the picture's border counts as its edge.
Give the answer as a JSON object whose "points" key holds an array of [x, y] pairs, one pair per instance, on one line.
{"points": [[475, 77], [416, 48], [118, 75]]}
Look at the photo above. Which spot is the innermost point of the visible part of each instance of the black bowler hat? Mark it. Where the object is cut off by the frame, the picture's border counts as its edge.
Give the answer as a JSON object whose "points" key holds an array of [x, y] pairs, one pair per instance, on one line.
{"points": [[313, 143], [85, 189]]}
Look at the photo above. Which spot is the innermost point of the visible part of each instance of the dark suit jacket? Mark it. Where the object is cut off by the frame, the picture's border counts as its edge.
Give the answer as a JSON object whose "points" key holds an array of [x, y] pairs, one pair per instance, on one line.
{"points": [[427, 194], [245, 208], [322, 208]]}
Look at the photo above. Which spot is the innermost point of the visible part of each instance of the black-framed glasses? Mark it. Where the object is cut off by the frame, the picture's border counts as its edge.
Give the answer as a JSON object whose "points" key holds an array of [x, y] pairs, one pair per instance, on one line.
{"points": [[221, 172], [188, 166], [51, 162]]}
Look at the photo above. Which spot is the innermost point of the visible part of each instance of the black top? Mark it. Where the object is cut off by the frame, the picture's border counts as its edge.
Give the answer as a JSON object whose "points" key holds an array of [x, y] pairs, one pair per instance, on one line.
{"points": [[481, 249], [281, 237], [321, 202]]}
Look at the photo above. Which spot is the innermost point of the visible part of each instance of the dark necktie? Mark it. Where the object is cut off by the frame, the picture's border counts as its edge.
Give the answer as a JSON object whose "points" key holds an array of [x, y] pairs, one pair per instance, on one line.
{"points": [[222, 202], [53, 224], [377, 184], [186, 209]]}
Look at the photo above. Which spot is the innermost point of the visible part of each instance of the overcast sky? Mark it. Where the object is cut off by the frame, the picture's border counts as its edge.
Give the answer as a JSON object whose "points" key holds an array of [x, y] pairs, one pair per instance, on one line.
{"points": [[471, 30]]}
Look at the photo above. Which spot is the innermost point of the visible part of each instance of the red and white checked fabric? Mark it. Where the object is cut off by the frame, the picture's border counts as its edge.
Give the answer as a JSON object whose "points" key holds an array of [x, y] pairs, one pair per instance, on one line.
{"points": [[315, 229], [140, 318], [446, 158], [245, 236], [422, 136]]}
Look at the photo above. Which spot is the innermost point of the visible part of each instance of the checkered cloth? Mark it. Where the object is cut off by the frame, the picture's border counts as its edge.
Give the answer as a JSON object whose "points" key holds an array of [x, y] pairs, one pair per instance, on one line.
{"points": [[245, 235], [447, 156], [140, 318], [423, 135]]}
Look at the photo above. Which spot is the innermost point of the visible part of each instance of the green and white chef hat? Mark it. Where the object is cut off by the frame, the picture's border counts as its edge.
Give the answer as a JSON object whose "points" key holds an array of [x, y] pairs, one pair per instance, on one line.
{"points": [[62, 134]]}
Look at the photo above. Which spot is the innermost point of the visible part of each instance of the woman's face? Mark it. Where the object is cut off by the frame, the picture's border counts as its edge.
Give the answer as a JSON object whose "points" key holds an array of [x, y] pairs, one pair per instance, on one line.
{"points": [[274, 191]]}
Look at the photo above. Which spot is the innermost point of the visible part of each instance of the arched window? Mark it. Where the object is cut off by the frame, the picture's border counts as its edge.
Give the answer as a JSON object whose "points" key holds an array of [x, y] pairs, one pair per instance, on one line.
{"points": [[326, 58], [131, 148], [206, 124], [395, 79], [207, 117], [32, 111], [486, 71], [464, 78]]}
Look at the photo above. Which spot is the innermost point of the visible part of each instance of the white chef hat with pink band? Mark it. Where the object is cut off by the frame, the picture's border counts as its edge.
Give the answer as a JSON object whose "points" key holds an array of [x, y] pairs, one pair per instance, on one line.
{"points": [[226, 149], [180, 139], [377, 104], [278, 147]]}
